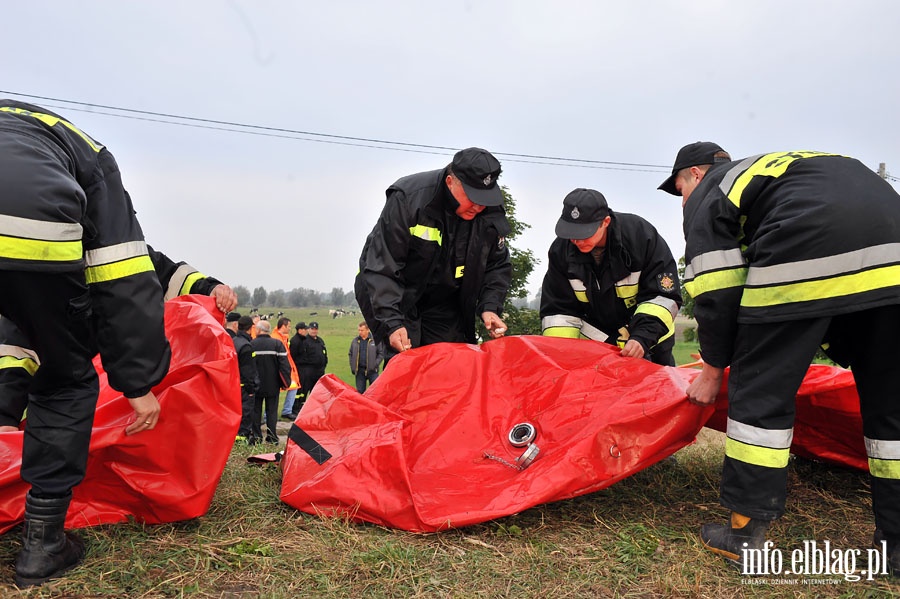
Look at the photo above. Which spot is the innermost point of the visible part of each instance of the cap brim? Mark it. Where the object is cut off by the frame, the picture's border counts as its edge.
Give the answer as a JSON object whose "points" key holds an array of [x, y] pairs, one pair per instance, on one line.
{"points": [[567, 230], [668, 185], [484, 197]]}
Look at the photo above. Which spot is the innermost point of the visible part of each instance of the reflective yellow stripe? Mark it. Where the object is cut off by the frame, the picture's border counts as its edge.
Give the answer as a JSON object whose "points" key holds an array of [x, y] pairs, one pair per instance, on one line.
{"points": [[626, 291], [566, 332], [884, 468], [16, 248], [189, 282], [118, 270], [426, 233], [770, 165], [714, 281], [581, 296], [662, 314], [12, 362], [754, 454], [52, 121], [878, 278], [459, 271]]}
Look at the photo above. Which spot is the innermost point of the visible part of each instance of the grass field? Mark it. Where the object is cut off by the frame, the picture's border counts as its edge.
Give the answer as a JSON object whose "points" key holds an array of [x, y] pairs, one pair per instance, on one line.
{"points": [[637, 538]]}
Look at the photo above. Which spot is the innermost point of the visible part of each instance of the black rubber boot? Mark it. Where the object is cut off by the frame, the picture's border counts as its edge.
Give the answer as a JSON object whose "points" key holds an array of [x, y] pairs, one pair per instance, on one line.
{"points": [[892, 550], [48, 551], [729, 540]]}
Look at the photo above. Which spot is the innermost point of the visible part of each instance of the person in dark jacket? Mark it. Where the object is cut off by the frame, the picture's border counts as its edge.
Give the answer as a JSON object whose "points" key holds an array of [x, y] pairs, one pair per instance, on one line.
{"points": [[365, 357], [611, 278], [295, 348], [18, 362], [76, 278], [787, 252], [313, 360], [437, 257], [249, 378], [274, 373], [231, 324]]}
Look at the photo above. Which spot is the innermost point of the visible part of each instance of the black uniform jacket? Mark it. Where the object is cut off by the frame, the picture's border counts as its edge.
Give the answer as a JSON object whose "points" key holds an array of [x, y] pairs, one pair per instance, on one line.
{"points": [[246, 363], [635, 286], [788, 236], [64, 209], [271, 364], [402, 256]]}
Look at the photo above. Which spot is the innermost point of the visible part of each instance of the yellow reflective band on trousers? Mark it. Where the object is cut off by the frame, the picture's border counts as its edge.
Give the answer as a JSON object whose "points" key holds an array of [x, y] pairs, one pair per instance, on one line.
{"points": [[771, 165], [662, 314], [189, 282], [16, 248], [754, 454], [27, 364], [118, 270], [840, 286], [714, 281], [52, 121], [884, 468], [564, 332], [426, 233]]}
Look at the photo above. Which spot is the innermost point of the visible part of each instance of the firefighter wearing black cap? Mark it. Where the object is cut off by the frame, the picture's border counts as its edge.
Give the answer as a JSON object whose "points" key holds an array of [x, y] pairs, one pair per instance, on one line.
{"points": [[18, 362], [76, 277], [437, 257], [611, 278], [787, 251]]}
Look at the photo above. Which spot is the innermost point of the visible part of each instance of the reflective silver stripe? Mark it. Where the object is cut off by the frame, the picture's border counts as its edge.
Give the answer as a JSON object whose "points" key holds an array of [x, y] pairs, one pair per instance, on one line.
{"points": [[716, 260], [736, 171], [577, 285], [592, 332], [763, 437], [632, 279], [829, 266], [565, 320], [882, 450], [269, 353], [30, 228], [664, 302], [177, 280], [19, 352], [115, 253]]}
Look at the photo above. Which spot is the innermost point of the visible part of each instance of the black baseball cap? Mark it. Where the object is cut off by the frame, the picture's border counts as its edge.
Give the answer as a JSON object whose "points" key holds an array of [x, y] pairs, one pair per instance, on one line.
{"points": [[314, 325], [695, 154], [300, 325], [232, 317], [478, 170], [583, 211]]}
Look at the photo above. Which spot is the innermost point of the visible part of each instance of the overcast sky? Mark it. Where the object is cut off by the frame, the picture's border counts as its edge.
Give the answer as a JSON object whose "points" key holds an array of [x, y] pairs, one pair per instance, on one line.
{"points": [[626, 82]]}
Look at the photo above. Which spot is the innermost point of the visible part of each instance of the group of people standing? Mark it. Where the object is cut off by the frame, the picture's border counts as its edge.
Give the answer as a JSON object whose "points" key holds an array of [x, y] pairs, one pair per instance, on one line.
{"points": [[270, 362], [786, 251]]}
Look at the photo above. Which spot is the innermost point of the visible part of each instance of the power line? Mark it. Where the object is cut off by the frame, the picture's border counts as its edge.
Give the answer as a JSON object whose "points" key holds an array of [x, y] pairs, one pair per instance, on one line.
{"points": [[235, 127]]}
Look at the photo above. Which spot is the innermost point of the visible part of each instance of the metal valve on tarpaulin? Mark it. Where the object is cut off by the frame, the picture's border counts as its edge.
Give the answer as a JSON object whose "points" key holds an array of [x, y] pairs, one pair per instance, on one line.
{"points": [[520, 435]]}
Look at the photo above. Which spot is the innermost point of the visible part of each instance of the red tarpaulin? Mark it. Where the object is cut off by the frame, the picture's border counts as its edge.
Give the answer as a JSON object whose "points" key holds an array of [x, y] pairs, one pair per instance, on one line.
{"points": [[171, 472], [427, 447]]}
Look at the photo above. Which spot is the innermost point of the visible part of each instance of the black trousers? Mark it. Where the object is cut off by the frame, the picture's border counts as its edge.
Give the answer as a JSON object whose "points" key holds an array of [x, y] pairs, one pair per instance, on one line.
{"points": [[270, 400], [53, 311], [248, 401], [769, 363]]}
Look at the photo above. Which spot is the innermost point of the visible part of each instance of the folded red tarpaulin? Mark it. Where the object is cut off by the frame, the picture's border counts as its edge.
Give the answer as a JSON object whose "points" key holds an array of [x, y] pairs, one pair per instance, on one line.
{"points": [[171, 472], [428, 447]]}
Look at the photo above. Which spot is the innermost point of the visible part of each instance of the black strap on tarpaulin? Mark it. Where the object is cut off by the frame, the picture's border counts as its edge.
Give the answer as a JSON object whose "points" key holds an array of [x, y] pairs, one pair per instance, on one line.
{"points": [[308, 444]]}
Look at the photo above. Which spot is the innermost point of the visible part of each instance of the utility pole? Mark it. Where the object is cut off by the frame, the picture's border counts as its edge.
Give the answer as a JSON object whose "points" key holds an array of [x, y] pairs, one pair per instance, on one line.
{"points": [[882, 172]]}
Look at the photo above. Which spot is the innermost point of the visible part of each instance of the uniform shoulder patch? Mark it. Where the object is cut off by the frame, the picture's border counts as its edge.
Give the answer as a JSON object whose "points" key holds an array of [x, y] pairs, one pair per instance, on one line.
{"points": [[666, 281]]}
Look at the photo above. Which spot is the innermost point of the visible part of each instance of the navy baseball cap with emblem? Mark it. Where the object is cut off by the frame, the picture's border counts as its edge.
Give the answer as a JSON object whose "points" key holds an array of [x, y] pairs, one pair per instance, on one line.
{"points": [[314, 325], [478, 170], [695, 154], [583, 211]]}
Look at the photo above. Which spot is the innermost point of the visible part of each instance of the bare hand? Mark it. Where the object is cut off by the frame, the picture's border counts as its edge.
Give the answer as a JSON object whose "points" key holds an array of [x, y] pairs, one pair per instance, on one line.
{"points": [[399, 340], [226, 298], [633, 349], [495, 326], [705, 388], [146, 413], [9, 429]]}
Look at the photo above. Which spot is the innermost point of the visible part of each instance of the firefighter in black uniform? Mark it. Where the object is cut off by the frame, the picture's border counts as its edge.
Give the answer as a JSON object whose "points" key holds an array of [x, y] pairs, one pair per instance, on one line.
{"points": [[437, 257], [18, 362], [787, 251], [274, 371], [76, 278], [611, 278], [249, 377]]}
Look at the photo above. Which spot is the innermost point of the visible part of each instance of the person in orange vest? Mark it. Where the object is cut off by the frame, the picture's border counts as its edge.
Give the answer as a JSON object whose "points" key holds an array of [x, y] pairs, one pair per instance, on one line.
{"points": [[282, 332]]}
